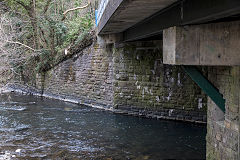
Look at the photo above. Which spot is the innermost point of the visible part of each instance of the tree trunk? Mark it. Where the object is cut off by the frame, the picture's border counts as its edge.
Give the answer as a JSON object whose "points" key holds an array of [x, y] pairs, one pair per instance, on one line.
{"points": [[33, 18]]}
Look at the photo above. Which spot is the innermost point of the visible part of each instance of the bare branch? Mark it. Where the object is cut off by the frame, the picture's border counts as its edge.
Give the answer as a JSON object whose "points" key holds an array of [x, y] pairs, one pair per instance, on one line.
{"points": [[46, 6], [23, 5], [73, 9], [21, 44], [14, 71]]}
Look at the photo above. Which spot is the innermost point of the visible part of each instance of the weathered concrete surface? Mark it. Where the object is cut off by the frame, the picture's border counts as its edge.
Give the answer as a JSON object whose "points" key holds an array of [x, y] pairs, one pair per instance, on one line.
{"points": [[208, 44], [223, 129], [182, 13], [120, 15]]}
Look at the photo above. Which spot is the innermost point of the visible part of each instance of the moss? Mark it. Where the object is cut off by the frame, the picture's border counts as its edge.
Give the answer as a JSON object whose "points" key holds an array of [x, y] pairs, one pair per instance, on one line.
{"points": [[212, 154]]}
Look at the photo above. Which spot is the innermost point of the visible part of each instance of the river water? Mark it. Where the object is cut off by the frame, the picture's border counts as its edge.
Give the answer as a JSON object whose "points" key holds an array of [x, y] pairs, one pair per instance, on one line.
{"points": [[35, 128]]}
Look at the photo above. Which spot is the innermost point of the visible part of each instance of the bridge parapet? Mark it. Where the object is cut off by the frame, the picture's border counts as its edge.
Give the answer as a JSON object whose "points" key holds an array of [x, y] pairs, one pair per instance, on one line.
{"points": [[101, 9]]}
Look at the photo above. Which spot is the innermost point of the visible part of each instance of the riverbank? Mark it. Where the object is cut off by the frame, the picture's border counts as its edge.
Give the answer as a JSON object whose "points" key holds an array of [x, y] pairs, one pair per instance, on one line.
{"points": [[27, 90]]}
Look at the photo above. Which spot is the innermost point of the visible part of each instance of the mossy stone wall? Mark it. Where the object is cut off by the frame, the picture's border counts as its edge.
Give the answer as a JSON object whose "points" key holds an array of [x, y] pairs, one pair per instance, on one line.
{"points": [[223, 128], [142, 81], [130, 79]]}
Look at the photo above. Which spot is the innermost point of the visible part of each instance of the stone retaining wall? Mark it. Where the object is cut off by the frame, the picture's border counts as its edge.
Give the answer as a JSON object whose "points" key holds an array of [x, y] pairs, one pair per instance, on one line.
{"points": [[128, 79], [87, 77], [141, 81]]}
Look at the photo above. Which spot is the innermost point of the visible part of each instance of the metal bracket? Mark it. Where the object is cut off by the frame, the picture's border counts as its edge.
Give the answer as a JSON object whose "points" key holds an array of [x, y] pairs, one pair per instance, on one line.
{"points": [[206, 86]]}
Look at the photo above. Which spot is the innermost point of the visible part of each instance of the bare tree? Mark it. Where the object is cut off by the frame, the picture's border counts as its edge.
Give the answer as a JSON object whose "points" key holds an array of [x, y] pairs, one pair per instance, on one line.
{"points": [[11, 50]]}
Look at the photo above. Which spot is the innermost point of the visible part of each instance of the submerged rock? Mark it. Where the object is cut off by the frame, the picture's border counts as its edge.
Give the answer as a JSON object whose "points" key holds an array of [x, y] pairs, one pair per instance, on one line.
{"points": [[68, 109]]}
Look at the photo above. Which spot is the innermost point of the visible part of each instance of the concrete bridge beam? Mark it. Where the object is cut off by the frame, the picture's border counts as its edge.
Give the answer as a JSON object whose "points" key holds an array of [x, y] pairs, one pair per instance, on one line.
{"points": [[206, 44], [103, 40]]}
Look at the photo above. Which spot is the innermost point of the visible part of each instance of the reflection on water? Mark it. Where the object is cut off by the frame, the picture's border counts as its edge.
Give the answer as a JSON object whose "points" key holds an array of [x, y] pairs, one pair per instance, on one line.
{"points": [[32, 128]]}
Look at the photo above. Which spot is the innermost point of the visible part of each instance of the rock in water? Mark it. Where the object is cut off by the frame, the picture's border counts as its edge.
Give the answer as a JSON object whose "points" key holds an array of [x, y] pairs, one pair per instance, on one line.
{"points": [[67, 109]]}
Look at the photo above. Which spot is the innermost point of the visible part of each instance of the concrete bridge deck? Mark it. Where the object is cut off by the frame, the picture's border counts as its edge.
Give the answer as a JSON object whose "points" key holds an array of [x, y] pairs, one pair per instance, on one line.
{"points": [[119, 15], [142, 19]]}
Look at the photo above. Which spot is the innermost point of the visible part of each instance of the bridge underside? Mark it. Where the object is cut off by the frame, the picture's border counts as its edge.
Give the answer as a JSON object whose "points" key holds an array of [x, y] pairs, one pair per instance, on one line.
{"points": [[142, 19], [125, 13]]}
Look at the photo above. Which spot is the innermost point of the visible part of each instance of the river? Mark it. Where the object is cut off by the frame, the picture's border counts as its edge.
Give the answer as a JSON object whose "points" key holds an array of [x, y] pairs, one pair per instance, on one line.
{"points": [[36, 128]]}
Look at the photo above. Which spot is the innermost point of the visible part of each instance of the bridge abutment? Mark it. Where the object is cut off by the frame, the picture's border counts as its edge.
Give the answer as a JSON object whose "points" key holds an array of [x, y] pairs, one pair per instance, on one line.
{"points": [[223, 128], [142, 83]]}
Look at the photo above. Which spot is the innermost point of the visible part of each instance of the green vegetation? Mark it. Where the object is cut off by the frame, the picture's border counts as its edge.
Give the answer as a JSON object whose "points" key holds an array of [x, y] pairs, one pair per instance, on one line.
{"points": [[46, 35]]}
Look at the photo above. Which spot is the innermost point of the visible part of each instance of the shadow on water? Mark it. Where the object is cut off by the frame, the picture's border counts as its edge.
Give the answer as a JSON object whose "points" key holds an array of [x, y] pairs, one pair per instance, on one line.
{"points": [[35, 128]]}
